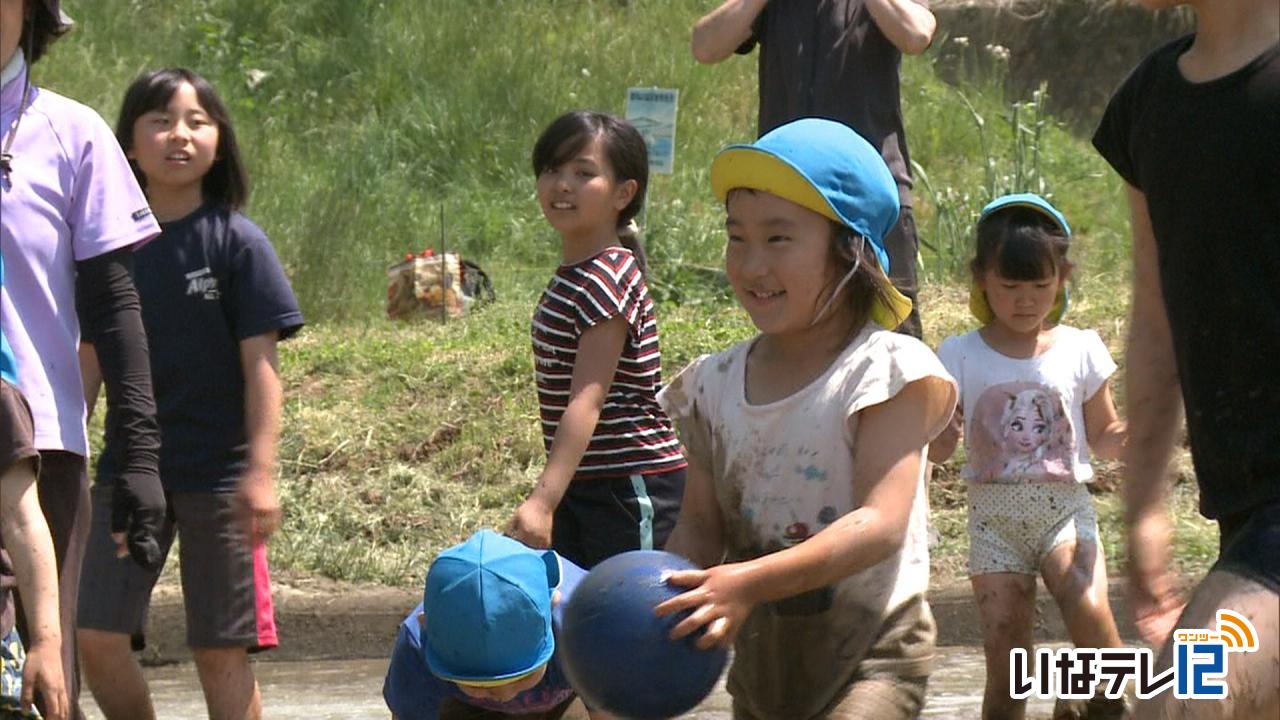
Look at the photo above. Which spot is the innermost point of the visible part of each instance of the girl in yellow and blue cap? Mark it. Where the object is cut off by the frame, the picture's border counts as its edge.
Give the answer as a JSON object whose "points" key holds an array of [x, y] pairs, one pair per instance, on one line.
{"points": [[806, 444], [1034, 401]]}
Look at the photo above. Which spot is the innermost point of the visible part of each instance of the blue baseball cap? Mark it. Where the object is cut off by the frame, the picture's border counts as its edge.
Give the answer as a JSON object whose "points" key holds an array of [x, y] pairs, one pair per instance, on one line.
{"points": [[1030, 201], [978, 305], [826, 167], [488, 610]]}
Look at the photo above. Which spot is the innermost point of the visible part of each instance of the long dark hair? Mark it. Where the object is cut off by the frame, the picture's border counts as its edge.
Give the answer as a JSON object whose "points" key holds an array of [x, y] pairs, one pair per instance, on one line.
{"points": [[1020, 244], [226, 181], [624, 148]]}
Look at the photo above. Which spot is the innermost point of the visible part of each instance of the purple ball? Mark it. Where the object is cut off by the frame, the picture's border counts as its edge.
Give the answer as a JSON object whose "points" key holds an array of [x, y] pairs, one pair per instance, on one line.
{"points": [[617, 653]]}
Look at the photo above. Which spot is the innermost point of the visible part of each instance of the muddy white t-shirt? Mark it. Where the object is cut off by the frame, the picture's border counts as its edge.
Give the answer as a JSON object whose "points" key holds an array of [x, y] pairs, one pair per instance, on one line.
{"points": [[1024, 417], [783, 471]]}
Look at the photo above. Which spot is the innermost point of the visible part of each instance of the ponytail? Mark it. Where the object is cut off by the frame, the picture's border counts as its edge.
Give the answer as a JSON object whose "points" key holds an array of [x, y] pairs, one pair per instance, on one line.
{"points": [[629, 236]]}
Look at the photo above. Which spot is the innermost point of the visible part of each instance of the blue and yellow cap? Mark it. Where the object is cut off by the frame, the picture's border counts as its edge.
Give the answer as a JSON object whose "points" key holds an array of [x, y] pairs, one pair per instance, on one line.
{"points": [[826, 167], [978, 305]]}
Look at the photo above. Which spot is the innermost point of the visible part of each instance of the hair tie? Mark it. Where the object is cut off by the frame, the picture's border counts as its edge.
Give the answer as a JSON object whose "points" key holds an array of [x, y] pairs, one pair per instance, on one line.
{"points": [[630, 230]]}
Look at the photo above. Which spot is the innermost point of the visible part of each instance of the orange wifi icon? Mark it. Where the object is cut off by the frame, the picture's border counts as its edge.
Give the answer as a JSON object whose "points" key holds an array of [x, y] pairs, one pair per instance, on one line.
{"points": [[1236, 632]]}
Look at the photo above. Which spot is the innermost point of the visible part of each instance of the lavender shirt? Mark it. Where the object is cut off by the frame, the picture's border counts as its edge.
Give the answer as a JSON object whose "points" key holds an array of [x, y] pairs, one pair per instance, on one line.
{"points": [[71, 196]]}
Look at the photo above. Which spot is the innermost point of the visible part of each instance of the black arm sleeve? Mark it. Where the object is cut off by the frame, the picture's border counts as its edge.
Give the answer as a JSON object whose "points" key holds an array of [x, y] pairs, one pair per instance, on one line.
{"points": [[111, 319]]}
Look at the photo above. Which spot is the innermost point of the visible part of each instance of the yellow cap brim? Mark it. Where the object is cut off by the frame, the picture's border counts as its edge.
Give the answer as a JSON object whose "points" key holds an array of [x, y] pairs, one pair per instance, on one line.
{"points": [[495, 683], [749, 167], [892, 310], [981, 309]]}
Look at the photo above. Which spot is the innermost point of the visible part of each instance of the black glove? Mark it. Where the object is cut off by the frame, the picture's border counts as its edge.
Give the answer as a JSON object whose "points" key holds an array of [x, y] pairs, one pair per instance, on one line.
{"points": [[111, 319], [138, 510]]}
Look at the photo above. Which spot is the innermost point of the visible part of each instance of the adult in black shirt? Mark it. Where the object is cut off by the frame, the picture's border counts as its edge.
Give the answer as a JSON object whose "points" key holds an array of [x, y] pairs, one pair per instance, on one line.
{"points": [[1193, 132]]}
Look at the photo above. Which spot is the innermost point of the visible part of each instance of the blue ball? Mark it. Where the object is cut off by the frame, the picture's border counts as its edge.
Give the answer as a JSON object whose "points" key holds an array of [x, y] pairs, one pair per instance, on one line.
{"points": [[617, 653]]}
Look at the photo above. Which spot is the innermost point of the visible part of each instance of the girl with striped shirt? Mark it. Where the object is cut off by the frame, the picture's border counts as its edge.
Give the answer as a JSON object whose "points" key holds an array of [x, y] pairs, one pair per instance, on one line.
{"points": [[615, 474]]}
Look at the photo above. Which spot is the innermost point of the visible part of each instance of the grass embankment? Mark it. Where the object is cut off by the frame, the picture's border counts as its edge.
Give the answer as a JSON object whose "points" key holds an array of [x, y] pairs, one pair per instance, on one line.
{"points": [[361, 122], [401, 439]]}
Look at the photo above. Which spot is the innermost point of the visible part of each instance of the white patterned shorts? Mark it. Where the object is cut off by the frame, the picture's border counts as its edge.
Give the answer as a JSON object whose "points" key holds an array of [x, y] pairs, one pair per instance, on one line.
{"points": [[1012, 527]]}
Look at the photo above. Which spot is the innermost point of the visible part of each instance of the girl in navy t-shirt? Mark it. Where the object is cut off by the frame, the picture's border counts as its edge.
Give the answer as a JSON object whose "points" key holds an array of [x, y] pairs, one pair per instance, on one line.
{"points": [[215, 303]]}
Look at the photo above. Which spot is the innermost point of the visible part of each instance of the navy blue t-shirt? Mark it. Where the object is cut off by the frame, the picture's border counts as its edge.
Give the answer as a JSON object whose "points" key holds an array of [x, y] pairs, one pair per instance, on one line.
{"points": [[412, 692], [210, 280]]}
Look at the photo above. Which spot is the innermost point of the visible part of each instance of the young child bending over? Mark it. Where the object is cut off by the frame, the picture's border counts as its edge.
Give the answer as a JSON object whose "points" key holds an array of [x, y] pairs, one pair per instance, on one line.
{"points": [[482, 643]]}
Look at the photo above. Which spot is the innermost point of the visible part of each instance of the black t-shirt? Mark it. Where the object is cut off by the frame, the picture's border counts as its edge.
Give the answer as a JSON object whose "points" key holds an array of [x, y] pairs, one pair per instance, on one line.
{"points": [[829, 59], [209, 281], [1207, 158]]}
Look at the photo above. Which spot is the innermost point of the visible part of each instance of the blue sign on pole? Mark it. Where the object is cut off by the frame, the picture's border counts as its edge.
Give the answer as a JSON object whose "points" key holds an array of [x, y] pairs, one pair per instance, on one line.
{"points": [[653, 112]]}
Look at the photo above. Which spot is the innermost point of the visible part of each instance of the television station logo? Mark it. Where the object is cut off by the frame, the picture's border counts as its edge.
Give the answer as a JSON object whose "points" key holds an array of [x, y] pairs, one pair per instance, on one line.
{"points": [[1198, 671]]}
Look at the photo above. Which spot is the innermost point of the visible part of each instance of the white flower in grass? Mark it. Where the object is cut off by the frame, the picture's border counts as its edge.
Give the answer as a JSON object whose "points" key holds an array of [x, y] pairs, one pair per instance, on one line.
{"points": [[254, 77]]}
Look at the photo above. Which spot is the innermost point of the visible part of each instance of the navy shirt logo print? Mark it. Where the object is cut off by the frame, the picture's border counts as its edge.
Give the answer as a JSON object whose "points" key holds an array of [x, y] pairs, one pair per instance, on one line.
{"points": [[202, 283]]}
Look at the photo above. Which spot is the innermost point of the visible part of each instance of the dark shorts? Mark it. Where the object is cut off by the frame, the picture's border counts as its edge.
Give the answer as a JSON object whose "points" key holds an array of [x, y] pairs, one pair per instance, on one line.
{"points": [[600, 518], [226, 586], [902, 245], [1249, 544]]}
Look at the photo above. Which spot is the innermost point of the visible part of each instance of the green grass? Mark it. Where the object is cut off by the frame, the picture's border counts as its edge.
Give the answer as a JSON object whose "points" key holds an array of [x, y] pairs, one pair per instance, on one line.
{"points": [[363, 122], [402, 439]]}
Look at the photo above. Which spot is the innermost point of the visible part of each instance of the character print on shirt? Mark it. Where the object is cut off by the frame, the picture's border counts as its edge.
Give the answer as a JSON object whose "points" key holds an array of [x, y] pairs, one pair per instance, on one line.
{"points": [[1021, 432]]}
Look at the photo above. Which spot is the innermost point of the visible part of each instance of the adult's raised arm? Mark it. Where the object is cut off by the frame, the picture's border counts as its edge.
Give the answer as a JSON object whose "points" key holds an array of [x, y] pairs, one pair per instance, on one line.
{"points": [[720, 32], [909, 24]]}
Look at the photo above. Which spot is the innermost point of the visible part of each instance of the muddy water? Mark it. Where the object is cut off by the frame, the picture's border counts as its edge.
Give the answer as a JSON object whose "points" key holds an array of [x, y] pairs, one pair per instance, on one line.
{"points": [[343, 690]]}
